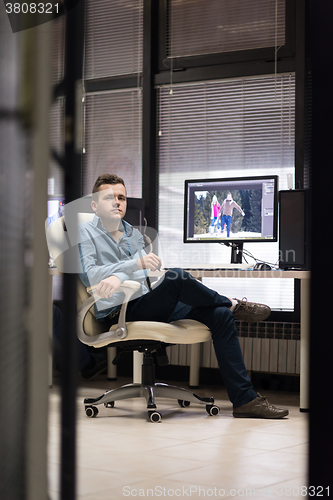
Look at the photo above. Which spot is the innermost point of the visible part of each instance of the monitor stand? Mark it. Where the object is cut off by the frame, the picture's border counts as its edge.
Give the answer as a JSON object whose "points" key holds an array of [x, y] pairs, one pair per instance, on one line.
{"points": [[236, 253]]}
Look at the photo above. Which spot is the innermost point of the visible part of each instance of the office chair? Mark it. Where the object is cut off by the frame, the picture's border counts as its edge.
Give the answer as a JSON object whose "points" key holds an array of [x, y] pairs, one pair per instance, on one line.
{"points": [[147, 337]]}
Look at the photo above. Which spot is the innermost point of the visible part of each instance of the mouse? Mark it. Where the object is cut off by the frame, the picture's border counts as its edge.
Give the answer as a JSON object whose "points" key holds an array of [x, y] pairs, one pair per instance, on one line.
{"points": [[262, 266]]}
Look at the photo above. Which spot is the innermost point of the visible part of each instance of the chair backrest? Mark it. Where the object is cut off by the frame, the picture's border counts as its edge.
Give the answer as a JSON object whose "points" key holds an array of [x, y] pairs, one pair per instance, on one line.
{"points": [[59, 243], [63, 243]]}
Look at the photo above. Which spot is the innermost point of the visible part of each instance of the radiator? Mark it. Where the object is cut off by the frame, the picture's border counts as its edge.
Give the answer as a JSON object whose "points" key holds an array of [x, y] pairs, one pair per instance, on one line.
{"points": [[266, 347]]}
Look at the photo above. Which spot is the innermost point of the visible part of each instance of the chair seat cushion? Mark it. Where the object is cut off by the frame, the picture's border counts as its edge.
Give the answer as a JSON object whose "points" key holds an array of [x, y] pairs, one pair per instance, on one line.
{"points": [[183, 331]]}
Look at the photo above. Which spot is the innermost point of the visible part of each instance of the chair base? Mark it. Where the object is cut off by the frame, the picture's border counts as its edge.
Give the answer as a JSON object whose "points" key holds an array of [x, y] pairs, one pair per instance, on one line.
{"points": [[150, 391]]}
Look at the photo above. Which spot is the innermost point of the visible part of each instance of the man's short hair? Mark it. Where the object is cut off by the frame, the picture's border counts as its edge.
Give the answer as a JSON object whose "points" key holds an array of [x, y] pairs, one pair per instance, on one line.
{"points": [[106, 179]]}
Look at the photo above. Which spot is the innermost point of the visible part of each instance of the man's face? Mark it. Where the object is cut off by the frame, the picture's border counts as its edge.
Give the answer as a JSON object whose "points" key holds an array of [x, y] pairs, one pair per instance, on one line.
{"points": [[111, 203]]}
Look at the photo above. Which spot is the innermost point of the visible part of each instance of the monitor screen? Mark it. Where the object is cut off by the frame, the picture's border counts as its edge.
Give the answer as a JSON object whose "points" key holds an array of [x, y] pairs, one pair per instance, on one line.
{"points": [[240, 209]]}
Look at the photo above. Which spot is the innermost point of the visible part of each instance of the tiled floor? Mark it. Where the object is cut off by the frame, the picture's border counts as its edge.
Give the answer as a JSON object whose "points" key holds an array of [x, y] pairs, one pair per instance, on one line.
{"points": [[189, 454]]}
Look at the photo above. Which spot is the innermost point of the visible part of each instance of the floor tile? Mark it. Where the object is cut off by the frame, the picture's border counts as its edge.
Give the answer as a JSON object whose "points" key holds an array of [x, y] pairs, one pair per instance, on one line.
{"points": [[121, 453]]}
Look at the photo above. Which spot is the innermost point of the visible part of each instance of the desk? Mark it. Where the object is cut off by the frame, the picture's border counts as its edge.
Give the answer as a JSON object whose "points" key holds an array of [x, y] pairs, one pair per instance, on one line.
{"points": [[304, 276]]}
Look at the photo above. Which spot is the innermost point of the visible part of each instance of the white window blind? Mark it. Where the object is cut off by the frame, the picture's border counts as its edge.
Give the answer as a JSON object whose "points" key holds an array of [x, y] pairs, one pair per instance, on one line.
{"points": [[56, 124], [57, 59], [113, 134], [113, 38], [57, 110], [228, 128], [57, 137], [198, 27]]}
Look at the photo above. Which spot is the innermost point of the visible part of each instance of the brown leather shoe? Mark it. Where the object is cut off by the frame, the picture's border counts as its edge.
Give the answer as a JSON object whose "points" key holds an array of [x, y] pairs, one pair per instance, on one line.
{"points": [[251, 312], [259, 408]]}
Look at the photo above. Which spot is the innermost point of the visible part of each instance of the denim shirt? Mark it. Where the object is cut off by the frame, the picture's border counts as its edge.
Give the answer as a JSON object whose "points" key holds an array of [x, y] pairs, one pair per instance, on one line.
{"points": [[101, 256]]}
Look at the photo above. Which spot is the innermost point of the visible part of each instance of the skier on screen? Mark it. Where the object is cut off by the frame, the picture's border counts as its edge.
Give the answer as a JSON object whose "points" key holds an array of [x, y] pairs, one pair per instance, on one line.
{"points": [[215, 213], [227, 207]]}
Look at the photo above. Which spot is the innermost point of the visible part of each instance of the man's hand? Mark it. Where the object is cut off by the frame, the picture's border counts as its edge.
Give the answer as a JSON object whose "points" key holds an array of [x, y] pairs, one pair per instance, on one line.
{"points": [[149, 261], [107, 287]]}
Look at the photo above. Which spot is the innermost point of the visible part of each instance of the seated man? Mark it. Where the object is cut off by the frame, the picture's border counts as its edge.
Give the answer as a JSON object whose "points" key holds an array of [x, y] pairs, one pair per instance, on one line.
{"points": [[112, 251]]}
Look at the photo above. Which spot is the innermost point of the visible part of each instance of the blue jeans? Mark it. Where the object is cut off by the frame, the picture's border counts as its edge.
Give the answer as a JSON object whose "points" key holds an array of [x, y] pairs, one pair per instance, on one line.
{"points": [[180, 296], [214, 222], [226, 219]]}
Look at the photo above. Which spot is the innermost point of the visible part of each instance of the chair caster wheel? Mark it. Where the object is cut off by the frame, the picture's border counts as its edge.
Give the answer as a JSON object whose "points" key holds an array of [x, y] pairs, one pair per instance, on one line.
{"points": [[155, 416], [212, 410], [183, 404], [110, 404], [91, 411]]}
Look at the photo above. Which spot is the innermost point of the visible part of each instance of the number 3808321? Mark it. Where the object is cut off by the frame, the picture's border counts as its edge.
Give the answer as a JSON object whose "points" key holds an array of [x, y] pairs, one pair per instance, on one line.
{"points": [[32, 8]]}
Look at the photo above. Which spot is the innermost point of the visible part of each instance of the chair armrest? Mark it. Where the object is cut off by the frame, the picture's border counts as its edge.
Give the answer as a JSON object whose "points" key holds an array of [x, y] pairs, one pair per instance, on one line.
{"points": [[128, 288]]}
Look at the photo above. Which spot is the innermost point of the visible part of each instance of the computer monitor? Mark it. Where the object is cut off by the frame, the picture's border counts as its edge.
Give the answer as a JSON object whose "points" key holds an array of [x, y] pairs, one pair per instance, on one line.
{"points": [[232, 211]]}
